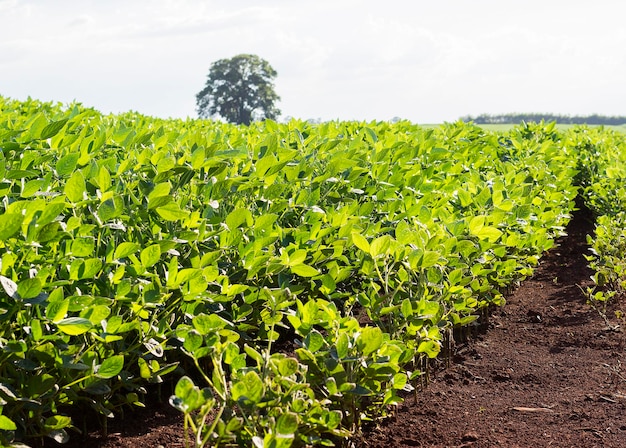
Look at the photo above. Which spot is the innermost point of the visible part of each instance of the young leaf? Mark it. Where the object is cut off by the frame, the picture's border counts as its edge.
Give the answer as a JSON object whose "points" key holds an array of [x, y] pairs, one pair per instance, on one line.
{"points": [[52, 129], [110, 367], [238, 217], [57, 310], [75, 187], [74, 325], [370, 340], [208, 323], [150, 255], [6, 424], [360, 242], [57, 422], [304, 270], [29, 288], [67, 164], [314, 341], [10, 223], [125, 249], [288, 366], [287, 424], [172, 212], [380, 246]]}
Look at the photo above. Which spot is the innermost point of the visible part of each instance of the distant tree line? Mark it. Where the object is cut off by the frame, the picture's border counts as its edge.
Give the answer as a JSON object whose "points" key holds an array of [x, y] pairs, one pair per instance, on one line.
{"points": [[515, 118]]}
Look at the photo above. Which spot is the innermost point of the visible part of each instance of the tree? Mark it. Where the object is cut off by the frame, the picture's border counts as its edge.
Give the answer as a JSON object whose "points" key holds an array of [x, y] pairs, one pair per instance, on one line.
{"points": [[239, 90]]}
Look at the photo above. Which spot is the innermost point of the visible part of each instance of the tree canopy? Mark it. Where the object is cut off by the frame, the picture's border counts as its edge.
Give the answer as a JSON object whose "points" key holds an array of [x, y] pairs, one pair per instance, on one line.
{"points": [[515, 118], [239, 90]]}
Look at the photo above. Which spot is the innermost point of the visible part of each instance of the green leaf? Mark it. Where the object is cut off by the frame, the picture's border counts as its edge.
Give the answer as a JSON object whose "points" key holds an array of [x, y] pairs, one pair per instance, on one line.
{"points": [[331, 385], [36, 124], [74, 325], [430, 258], [31, 187], [125, 249], [187, 396], [56, 311], [263, 165], [399, 381], [406, 308], [111, 367], [111, 208], [96, 313], [208, 323], [431, 348], [476, 224], [380, 246], [343, 345], [304, 270], [37, 329], [161, 189], [250, 387], [83, 247], [57, 422], [239, 217], [29, 288], [67, 164], [288, 366], [52, 129], [314, 341], [104, 179], [287, 424], [90, 268], [75, 187], [6, 424], [360, 242], [489, 233], [150, 255], [193, 341], [172, 212], [10, 223], [50, 212], [370, 340]]}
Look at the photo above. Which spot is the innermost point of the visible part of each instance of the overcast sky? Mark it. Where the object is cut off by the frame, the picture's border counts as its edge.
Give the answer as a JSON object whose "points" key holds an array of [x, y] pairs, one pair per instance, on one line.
{"points": [[426, 61]]}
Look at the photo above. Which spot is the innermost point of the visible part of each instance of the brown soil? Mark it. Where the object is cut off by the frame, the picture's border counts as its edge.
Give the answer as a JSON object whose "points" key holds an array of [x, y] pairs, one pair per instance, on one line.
{"points": [[547, 372]]}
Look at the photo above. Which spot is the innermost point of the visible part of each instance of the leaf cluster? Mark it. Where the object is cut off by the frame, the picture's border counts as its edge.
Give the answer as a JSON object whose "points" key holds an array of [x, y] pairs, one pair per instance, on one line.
{"points": [[295, 279]]}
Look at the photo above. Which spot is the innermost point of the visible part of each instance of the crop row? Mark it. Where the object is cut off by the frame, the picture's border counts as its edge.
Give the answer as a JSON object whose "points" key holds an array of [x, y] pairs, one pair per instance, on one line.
{"points": [[603, 174], [293, 278]]}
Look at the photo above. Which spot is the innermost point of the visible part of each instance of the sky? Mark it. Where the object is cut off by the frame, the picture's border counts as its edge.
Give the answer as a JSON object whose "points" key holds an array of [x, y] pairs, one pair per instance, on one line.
{"points": [[426, 61]]}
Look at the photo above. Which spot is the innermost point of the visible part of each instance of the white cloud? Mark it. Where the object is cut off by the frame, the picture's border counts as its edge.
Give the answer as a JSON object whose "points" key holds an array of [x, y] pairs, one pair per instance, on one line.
{"points": [[426, 61]]}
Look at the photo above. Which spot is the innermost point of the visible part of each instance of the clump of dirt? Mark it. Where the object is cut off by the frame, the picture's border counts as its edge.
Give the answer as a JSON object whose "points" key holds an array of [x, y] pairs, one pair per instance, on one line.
{"points": [[547, 372]]}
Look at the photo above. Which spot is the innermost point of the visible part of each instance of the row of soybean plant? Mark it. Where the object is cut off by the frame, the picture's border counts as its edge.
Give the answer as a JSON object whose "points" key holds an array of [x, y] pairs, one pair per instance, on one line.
{"points": [[364, 243], [299, 274], [602, 166]]}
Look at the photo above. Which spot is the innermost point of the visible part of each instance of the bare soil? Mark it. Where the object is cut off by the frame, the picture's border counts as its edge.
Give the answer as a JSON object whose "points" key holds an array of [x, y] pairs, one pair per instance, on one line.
{"points": [[547, 372]]}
